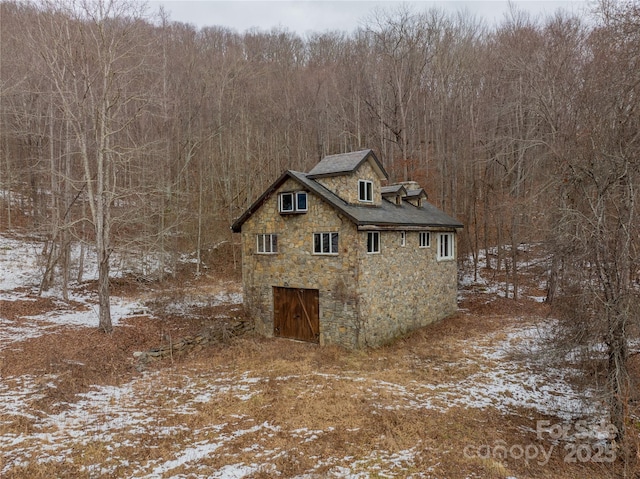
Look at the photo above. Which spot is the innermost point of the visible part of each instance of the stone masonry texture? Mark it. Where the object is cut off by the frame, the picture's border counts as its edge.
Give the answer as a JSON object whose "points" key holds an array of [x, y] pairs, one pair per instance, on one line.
{"points": [[365, 299]]}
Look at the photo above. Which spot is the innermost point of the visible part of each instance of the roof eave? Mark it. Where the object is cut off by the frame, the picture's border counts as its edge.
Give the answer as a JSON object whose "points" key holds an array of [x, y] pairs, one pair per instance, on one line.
{"points": [[400, 190], [236, 227], [328, 175], [364, 225]]}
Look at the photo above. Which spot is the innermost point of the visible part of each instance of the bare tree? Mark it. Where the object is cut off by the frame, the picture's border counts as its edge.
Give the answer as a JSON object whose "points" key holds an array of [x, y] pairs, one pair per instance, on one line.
{"points": [[93, 55], [400, 42], [598, 232]]}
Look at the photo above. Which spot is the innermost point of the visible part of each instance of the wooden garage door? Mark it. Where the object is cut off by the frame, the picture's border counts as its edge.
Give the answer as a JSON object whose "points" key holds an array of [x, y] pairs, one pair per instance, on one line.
{"points": [[296, 314]]}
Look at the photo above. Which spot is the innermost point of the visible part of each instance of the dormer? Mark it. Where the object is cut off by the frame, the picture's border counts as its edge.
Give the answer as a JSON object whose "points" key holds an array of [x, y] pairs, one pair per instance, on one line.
{"points": [[394, 194], [416, 197], [408, 191], [415, 194], [355, 177]]}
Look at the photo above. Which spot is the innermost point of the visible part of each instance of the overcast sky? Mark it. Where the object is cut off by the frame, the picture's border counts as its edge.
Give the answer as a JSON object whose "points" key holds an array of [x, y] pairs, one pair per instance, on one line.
{"points": [[304, 16]]}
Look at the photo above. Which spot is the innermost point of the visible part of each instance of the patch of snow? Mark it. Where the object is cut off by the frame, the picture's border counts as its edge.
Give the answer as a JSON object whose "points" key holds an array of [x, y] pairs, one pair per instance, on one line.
{"points": [[37, 325], [185, 304], [203, 449], [22, 264], [236, 471]]}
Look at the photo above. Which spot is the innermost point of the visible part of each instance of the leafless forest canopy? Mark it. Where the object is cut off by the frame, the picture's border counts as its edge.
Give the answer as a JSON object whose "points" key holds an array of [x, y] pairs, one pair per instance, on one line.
{"points": [[185, 127]]}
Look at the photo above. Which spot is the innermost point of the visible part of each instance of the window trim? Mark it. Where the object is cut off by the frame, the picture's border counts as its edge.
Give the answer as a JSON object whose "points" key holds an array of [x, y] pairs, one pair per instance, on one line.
{"points": [[403, 238], [368, 191], [424, 235], [372, 243], [306, 201], [281, 202], [331, 235], [295, 195], [261, 240], [449, 244]]}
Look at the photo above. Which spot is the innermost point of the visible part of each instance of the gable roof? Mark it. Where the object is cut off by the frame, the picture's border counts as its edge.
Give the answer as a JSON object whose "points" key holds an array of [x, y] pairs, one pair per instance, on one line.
{"points": [[387, 214], [419, 193], [345, 163], [393, 190]]}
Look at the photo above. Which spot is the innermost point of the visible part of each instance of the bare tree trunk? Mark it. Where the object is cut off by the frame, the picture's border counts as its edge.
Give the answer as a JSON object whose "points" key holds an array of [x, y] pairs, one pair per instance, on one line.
{"points": [[200, 219], [67, 204], [82, 242], [104, 293], [7, 184]]}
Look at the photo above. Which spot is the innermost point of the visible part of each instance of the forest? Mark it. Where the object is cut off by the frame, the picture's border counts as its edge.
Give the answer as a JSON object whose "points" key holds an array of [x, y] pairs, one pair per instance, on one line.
{"points": [[127, 131]]}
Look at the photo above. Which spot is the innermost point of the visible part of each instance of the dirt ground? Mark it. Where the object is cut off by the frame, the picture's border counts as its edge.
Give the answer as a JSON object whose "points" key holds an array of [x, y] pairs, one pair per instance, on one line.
{"points": [[473, 396], [310, 411]]}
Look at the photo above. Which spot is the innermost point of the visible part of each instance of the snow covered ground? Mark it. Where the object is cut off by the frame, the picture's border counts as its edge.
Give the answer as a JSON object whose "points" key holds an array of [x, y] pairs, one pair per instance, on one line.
{"points": [[196, 422], [532, 257], [119, 419], [21, 267]]}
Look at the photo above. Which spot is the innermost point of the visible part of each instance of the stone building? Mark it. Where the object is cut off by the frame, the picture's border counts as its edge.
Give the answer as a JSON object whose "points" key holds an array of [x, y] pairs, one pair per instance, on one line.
{"points": [[333, 257]]}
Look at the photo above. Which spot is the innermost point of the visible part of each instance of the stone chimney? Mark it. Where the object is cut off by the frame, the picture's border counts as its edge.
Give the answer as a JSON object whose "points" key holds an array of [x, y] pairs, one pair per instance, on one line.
{"points": [[409, 185]]}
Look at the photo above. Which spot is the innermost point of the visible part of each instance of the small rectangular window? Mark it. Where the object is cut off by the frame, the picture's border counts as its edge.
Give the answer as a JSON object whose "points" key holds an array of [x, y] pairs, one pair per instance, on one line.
{"points": [[325, 243], [267, 243], [403, 238], [425, 239], [365, 191], [373, 242], [293, 202], [301, 201], [445, 246], [286, 202]]}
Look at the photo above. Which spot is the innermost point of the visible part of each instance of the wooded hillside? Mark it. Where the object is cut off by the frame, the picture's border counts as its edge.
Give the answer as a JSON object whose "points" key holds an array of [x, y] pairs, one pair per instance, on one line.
{"points": [[179, 129]]}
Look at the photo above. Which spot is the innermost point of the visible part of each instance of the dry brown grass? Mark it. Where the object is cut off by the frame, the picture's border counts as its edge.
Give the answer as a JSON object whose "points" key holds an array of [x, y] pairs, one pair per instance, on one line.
{"points": [[309, 409]]}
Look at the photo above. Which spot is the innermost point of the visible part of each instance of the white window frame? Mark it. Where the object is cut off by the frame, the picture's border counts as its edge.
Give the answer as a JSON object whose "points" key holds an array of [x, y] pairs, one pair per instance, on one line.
{"points": [[372, 243], [306, 201], [366, 187], [295, 195], [446, 246], [403, 238], [281, 202], [267, 243], [326, 239], [424, 239]]}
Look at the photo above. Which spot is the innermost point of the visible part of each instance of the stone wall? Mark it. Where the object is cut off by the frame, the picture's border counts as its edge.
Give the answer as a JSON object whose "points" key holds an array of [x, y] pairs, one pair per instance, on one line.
{"points": [[346, 186], [295, 266], [403, 287], [219, 332]]}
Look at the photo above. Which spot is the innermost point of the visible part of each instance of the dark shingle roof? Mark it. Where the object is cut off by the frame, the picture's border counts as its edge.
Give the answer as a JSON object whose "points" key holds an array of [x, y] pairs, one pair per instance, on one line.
{"points": [[388, 214], [416, 193], [393, 190], [344, 163]]}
